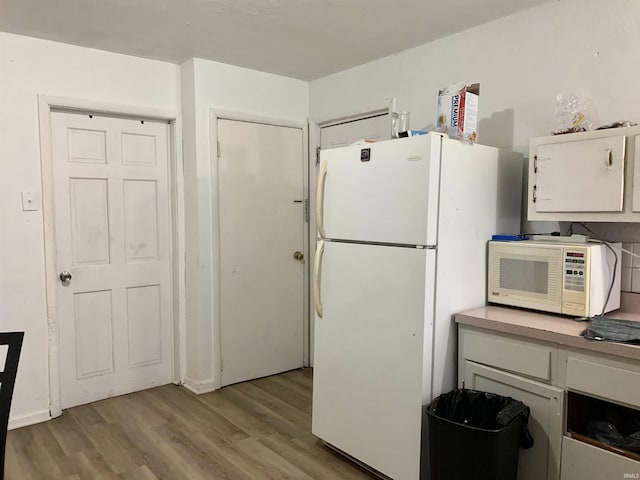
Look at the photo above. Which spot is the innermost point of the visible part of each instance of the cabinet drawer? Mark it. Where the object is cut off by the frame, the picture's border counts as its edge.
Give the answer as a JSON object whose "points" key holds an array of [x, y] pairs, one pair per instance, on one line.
{"points": [[581, 461], [507, 354], [604, 381]]}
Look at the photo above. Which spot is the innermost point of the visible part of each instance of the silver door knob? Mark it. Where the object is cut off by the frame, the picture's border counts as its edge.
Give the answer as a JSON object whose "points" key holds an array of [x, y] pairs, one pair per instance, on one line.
{"points": [[65, 276], [299, 256]]}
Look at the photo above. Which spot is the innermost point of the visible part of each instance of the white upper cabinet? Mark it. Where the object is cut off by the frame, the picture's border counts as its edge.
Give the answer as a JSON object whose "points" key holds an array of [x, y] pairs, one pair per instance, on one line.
{"points": [[591, 176]]}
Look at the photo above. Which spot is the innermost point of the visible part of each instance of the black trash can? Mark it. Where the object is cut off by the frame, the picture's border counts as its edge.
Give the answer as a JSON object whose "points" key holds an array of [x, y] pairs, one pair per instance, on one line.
{"points": [[474, 435]]}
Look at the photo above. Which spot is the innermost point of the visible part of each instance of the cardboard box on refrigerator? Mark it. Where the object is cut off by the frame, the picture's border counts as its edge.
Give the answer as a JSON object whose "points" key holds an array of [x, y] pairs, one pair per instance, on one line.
{"points": [[458, 111]]}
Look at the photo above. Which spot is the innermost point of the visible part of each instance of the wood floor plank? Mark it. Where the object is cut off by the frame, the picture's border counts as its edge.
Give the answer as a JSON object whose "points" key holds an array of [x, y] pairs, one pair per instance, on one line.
{"points": [[69, 435], [224, 403], [35, 449], [158, 461], [276, 406], [248, 467], [140, 473], [294, 394], [116, 449], [199, 416], [258, 430], [91, 464], [268, 415], [273, 464], [314, 464], [205, 464]]}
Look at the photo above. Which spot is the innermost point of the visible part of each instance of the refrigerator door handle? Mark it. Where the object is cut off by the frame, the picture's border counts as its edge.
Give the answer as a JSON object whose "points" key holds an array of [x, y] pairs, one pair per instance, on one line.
{"points": [[316, 278], [320, 200]]}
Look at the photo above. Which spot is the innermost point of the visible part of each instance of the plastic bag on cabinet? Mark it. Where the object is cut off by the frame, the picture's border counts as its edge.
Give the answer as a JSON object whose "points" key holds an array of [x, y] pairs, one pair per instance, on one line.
{"points": [[575, 113]]}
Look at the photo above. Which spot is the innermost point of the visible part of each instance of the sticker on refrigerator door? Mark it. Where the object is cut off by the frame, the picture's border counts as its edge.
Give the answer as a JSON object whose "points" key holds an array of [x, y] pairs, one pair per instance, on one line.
{"points": [[365, 154]]}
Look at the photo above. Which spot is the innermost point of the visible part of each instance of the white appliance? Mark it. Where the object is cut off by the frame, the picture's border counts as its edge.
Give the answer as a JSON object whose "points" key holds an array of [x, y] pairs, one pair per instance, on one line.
{"points": [[403, 226], [569, 278]]}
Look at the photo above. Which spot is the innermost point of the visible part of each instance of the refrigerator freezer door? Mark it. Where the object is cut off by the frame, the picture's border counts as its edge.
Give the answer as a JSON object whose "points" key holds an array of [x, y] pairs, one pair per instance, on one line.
{"points": [[370, 347], [385, 192]]}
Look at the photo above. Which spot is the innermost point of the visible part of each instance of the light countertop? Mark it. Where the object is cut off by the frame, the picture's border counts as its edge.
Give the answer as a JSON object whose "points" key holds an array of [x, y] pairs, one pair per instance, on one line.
{"points": [[551, 328]]}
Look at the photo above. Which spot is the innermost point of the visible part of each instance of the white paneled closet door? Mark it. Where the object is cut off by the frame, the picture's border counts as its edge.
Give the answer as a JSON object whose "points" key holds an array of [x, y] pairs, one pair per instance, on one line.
{"points": [[112, 240]]}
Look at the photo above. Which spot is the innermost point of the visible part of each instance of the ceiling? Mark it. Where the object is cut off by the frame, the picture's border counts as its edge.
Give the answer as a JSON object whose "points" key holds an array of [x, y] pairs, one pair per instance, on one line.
{"points": [[305, 39]]}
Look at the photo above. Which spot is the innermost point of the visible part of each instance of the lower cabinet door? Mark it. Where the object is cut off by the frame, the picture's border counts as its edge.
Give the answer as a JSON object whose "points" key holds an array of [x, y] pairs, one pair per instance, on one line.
{"points": [[542, 461], [581, 461]]}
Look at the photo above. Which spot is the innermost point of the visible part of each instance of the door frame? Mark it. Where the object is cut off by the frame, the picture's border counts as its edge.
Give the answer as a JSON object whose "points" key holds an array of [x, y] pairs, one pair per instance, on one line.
{"points": [[47, 104], [385, 106], [216, 114]]}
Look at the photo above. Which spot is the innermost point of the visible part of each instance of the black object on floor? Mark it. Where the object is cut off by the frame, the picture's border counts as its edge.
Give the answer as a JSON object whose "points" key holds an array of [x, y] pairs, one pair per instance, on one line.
{"points": [[7, 381], [472, 434]]}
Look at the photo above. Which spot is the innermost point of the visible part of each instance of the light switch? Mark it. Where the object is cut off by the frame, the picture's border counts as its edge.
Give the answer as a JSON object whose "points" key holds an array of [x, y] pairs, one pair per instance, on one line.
{"points": [[28, 202]]}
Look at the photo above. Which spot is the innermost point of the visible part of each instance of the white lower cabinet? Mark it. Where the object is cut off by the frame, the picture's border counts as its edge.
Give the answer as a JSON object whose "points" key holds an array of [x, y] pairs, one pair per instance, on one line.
{"points": [[581, 461], [566, 389], [545, 422]]}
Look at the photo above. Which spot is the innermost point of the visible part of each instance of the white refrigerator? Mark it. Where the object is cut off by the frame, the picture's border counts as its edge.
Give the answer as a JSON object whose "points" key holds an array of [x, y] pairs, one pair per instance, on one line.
{"points": [[403, 226]]}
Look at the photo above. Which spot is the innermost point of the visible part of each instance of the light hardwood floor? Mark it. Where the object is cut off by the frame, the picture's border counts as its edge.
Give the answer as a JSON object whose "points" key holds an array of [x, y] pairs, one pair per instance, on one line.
{"points": [[253, 430]]}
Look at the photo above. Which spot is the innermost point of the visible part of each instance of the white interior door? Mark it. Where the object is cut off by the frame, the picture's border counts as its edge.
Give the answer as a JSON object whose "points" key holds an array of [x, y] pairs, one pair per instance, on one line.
{"points": [[112, 238], [261, 229]]}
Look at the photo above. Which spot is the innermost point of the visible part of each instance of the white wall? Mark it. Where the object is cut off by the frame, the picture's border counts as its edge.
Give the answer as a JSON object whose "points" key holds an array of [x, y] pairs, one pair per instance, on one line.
{"points": [[588, 47], [29, 67], [210, 85]]}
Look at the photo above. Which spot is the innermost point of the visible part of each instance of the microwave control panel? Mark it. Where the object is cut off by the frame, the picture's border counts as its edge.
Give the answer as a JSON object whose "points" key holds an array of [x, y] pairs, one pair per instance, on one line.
{"points": [[574, 269]]}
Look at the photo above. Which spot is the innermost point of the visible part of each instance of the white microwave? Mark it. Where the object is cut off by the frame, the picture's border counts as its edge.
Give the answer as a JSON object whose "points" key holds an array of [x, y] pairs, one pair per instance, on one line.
{"points": [[567, 278]]}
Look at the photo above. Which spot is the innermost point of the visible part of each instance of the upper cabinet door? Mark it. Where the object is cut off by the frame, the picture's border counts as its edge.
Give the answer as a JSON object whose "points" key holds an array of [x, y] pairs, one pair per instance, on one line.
{"points": [[580, 176], [585, 177]]}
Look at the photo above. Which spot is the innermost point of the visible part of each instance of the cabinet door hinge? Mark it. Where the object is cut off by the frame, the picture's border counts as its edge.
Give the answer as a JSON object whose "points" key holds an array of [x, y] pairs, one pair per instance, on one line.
{"points": [[306, 210], [222, 364], [218, 147], [318, 156]]}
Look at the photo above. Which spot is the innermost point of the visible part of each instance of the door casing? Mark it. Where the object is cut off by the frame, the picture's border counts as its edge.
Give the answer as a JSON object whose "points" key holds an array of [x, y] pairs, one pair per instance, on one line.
{"points": [[214, 115], [45, 105]]}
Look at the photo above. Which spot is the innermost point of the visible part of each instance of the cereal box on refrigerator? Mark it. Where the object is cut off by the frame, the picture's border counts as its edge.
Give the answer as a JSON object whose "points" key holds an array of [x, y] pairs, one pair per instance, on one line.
{"points": [[458, 111]]}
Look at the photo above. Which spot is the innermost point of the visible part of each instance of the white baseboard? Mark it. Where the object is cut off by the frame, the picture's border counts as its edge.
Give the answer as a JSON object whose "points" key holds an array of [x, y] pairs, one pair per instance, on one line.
{"points": [[28, 419], [199, 386]]}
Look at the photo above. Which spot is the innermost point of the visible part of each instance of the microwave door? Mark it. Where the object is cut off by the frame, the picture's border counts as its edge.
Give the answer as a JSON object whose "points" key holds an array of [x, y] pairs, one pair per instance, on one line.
{"points": [[529, 276], [529, 280]]}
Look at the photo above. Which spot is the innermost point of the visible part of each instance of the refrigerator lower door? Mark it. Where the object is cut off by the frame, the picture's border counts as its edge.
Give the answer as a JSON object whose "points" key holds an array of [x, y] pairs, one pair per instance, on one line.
{"points": [[370, 347]]}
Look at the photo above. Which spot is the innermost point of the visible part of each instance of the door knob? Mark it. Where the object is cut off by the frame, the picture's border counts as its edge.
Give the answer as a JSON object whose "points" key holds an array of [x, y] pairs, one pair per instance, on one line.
{"points": [[299, 256], [65, 276]]}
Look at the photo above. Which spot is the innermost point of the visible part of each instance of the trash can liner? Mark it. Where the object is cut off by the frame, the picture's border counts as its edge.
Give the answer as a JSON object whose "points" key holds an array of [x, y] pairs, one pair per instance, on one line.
{"points": [[483, 410], [608, 434]]}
